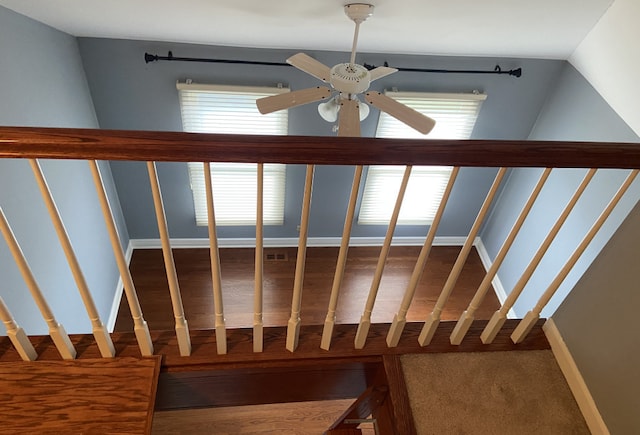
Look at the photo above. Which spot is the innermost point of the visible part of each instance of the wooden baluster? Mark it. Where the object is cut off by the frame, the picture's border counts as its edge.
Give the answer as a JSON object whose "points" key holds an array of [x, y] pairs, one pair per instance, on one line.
{"points": [[430, 326], [330, 320], [467, 317], [365, 319], [293, 327], [103, 339], [182, 328], [400, 319], [258, 325], [17, 335], [140, 327], [221, 332], [526, 324], [56, 331], [499, 317]]}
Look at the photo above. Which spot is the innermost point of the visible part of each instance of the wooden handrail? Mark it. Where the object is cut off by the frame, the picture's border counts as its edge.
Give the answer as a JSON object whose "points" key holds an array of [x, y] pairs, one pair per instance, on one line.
{"points": [[93, 144]]}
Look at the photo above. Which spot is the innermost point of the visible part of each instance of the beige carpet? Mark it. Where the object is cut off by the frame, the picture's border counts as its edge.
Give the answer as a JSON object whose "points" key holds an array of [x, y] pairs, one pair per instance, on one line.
{"points": [[490, 393]]}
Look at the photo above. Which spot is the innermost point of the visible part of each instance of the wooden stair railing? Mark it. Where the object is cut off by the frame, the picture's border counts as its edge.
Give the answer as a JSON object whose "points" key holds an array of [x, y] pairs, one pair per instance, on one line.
{"points": [[34, 143], [262, 345]]}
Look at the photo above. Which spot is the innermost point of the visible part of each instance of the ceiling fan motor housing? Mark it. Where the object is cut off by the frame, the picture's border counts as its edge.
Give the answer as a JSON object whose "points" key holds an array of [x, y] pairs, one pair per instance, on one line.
{"points": [[350, 78]]}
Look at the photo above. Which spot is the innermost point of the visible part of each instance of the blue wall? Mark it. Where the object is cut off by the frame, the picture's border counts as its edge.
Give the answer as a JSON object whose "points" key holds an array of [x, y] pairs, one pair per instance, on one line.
{"points": [[42, 83], [129, 94], [574, 111]]}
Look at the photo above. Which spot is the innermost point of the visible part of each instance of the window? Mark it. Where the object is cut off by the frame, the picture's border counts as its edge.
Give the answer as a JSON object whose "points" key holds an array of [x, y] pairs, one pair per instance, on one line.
{"points": [[421, 199], [455, 116], [232, 110]]}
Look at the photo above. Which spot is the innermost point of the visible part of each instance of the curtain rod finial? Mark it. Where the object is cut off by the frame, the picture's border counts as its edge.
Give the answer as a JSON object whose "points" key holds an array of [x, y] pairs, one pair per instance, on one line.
{"points": [[150, 58]]}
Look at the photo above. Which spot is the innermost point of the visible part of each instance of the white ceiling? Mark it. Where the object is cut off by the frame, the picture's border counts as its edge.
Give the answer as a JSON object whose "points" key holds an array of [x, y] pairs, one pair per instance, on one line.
{"points": [[518, 28]]}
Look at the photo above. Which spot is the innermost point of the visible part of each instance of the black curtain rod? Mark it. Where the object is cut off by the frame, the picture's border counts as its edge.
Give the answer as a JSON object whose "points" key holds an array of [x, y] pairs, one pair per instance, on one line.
{"points": [[170, 57]]}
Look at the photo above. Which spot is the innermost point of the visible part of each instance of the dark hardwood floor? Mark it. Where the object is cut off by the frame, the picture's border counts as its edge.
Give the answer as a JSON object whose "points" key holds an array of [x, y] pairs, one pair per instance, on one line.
{"points": [[237, 266]]}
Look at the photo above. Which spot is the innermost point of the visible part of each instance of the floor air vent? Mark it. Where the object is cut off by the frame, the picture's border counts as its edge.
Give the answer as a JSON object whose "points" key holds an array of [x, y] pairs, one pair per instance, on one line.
{"points": [[276, 256]]}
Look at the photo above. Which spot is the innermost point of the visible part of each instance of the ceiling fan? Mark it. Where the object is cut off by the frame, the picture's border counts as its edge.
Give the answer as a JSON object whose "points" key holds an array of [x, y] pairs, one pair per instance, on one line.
{"points": [[349, 80]]}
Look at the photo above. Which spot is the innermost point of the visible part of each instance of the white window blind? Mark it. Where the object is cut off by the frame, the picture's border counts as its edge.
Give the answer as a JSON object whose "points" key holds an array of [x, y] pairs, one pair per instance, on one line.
{"points": [[421, 199], [234, 193], [455, 116], [232, 110]]}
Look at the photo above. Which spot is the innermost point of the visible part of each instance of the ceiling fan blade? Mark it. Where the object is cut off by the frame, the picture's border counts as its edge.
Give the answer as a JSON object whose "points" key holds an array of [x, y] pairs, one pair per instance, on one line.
{"points": [[349, 118], [401, 112], [286, 100], [381, 71], [311, 66]]}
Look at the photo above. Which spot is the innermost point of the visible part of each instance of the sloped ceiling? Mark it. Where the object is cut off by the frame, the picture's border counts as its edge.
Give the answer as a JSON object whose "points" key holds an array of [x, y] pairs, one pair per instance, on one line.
{"points": [[609, 58], [539, 29]]}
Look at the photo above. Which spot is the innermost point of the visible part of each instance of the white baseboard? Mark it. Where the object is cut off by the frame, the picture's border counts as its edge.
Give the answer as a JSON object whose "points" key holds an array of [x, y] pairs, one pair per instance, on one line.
{"points": [[497, 284], [117, 297], [293, 242], [574, 379]]}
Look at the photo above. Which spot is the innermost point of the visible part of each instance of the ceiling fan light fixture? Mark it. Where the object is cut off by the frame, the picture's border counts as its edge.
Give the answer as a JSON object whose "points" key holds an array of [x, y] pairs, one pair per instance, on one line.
{"points": [[329, 110], [364, 110]]}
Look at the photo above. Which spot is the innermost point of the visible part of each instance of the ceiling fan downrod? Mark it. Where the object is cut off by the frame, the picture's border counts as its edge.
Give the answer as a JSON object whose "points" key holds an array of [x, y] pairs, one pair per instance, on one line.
{"points": [[358, 13]]}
